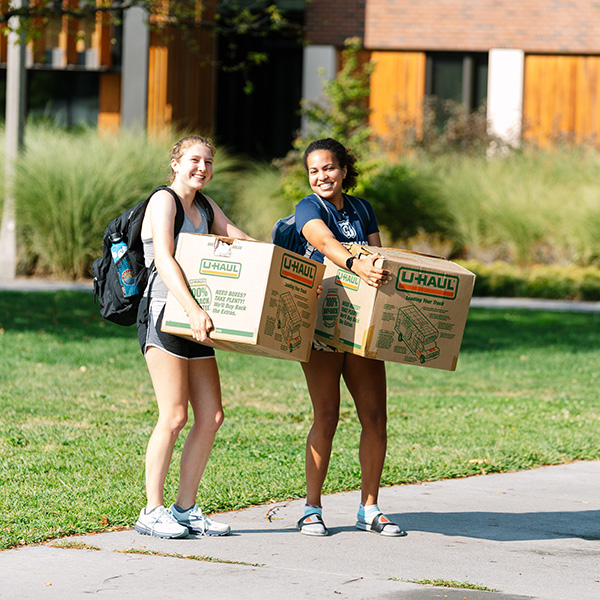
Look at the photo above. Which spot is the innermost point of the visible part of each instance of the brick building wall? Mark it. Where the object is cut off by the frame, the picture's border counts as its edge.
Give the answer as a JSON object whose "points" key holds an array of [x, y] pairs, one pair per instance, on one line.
{"points": [[535, 26], [331, 22]]}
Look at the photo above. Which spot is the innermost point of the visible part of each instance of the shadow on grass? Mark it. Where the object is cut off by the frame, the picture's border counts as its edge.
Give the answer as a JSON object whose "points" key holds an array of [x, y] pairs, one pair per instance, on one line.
{"points": [[63, 313], [496, 329], [75, 313]]}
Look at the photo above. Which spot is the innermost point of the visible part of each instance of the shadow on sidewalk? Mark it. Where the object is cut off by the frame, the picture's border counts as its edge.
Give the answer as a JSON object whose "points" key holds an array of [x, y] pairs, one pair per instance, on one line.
{"points": [[506, 527]]}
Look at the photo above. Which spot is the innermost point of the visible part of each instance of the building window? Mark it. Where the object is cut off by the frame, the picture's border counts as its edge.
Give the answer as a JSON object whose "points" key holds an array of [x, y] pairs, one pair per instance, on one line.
{"points": [[67, 98], [457, 76]]}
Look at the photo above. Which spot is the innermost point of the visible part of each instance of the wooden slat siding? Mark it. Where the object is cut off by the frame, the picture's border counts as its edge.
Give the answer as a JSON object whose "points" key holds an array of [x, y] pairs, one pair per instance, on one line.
{"points": [[561, 97], [3, 48], [190, 92], [159, 113], [397, 90], [101, 38], [68, 35], [4, 5], [181, 82], [38, 43], [109, 113]]}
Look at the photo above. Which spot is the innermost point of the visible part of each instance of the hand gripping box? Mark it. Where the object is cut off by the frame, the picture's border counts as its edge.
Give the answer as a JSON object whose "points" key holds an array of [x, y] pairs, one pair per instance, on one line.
{"points": [[262, 299], [417, 318]]}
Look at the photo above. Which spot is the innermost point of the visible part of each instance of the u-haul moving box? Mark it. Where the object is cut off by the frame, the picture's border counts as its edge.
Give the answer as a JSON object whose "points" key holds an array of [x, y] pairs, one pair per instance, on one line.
{"points": [[416, 318], [262, 299]]}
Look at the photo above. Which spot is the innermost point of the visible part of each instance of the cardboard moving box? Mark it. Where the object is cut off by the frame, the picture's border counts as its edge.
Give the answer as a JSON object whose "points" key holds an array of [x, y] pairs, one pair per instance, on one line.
{"points": [[262, 299], [418, 318]]}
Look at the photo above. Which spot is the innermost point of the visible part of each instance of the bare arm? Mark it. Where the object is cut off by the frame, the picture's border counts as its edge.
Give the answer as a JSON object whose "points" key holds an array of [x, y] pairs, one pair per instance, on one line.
{"points": [[321, 237], [162, 213]]}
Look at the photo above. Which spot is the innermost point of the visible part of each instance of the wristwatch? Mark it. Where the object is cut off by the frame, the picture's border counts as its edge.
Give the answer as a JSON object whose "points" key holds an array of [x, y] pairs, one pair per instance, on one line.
{"points": [[350, 262]]}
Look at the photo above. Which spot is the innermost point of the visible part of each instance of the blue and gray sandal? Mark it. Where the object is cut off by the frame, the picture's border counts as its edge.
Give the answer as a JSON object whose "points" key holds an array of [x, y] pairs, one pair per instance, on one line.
{"points": [[312, 524], [381, 525]]}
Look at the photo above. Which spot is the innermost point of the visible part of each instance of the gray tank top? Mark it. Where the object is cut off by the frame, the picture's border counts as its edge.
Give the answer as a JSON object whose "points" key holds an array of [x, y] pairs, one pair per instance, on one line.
{"points": [[159, 289]]}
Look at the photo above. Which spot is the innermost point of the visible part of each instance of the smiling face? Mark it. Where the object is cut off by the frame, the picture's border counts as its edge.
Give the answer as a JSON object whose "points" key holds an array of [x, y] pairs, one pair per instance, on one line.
{"points": [[325, 175], [194, 167]]}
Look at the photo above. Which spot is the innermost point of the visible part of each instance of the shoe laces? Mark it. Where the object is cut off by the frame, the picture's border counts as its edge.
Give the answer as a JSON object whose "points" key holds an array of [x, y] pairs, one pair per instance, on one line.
{"points": [[166, 516], [198, 515]]}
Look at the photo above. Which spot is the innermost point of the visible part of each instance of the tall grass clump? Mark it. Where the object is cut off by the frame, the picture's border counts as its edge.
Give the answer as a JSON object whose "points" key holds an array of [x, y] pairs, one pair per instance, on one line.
{"points": [[69, 185], [527, 207], [260, 201]]}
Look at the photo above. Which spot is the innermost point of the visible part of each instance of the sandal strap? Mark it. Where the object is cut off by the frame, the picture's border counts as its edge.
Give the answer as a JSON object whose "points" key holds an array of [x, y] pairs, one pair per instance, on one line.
{"points": [[313, 519], [380, 522]]}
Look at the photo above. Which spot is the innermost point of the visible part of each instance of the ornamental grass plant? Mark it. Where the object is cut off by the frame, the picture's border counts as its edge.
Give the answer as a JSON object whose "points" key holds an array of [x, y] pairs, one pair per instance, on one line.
{"points": [[70, 184], [529, 207]]}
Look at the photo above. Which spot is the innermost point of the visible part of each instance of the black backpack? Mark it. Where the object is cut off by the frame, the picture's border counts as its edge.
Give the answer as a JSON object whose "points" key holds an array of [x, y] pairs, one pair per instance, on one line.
{"points": [[113, 305]]}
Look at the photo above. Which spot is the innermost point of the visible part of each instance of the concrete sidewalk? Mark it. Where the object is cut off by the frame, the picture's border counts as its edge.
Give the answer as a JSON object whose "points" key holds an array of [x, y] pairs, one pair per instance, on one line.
{"points": [[24, 284], [531, 534]]}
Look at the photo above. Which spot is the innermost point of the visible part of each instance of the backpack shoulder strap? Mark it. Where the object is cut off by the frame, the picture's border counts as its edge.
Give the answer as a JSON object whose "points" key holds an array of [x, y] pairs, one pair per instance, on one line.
{"points": [[206, 205], [361, 210], [179, 218], [179, 215], [326, 209]]}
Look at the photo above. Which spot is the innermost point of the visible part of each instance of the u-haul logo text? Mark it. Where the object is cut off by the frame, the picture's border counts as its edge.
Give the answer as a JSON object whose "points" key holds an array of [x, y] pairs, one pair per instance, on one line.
{"points": [[347, 280], [220, 268], [298, 270], [427, 283]]}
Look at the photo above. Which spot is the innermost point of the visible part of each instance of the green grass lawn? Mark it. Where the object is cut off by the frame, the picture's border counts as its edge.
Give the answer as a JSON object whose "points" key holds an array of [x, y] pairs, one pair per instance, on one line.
{"points": [[77, 408]]}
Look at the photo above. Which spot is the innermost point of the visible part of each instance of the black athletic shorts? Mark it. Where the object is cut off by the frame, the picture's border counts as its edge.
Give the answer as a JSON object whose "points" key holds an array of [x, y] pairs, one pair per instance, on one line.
{"points": [[150, 334]]}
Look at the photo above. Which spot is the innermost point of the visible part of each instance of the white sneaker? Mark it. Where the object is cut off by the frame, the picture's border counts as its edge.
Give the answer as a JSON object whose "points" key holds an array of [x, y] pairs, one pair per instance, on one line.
{"points": [[197, 522], [160, 522]]}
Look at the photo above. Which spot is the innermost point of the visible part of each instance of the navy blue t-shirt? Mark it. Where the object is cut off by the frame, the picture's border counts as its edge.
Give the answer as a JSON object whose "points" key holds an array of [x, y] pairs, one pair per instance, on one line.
{"points": [[346, 225]]}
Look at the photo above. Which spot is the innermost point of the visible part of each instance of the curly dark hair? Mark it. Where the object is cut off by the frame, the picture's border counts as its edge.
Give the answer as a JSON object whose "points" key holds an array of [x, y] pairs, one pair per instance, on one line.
{"points": [[342, 154]]}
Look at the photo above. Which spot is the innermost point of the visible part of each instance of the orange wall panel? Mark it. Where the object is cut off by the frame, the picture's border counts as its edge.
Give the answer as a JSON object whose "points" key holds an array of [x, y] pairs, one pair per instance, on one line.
{"points": [[562, 98], [397, 91], [109, 113]]}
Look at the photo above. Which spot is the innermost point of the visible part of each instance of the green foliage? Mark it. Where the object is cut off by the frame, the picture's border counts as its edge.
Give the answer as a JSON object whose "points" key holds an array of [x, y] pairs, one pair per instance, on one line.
{"points": [[77, 409], [259, 201], [535, 281], [522, 208], [446, 127], [525, 207], [450, 127], [294, 179], [406, 203], [69, 185], [452, 583], [344, 112]]}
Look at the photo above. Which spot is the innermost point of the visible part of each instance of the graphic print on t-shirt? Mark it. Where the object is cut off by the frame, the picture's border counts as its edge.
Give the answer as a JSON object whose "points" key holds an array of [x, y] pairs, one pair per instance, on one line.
{"points": [[346, 227]]}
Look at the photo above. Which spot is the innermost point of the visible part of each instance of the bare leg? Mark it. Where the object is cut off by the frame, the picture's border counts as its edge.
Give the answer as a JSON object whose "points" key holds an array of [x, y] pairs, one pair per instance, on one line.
{"points": [[322, 373], [170, 380], [205, 398], [366, 382]]}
